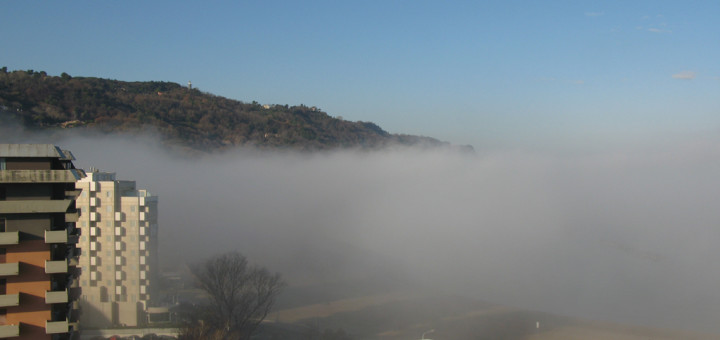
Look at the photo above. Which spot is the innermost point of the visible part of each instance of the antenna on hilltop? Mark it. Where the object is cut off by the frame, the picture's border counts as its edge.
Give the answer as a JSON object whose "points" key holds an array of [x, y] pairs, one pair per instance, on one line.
{"points": [[189, 85]]}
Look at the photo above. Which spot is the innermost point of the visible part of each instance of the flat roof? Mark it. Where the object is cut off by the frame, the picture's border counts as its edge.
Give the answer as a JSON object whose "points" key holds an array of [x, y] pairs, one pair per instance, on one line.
{"points": [[34, 150]]}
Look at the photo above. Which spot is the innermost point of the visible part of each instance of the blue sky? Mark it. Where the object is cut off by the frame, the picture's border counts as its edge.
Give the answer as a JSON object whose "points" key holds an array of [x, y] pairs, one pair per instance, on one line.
{"points": [[490, 73]]}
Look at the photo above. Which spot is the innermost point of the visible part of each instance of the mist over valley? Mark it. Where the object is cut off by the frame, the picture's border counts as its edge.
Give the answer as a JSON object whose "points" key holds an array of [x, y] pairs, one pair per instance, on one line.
{"points": [[624, 235]]}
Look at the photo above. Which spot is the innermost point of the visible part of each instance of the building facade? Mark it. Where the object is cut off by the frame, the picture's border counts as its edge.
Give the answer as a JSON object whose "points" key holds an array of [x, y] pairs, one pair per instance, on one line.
{"points": [[38, 258], [119, 246]]}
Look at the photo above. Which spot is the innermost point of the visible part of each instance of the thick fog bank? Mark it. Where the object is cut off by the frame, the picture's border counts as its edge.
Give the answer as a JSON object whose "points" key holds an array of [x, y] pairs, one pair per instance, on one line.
{"points": [[627, 235]]}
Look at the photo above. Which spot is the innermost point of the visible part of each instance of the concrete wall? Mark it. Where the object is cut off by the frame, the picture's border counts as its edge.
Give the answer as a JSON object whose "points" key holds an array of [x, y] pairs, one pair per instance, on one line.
{"points": [[31, 285]]}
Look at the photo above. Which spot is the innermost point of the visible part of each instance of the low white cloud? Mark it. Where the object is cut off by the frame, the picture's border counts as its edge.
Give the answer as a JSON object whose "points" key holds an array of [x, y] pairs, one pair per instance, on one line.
{"points": [[658, 30], [684, 75]]}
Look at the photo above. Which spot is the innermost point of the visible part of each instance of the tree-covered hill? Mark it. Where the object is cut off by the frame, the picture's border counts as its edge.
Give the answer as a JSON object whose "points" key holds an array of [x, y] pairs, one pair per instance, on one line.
{"points": [[184, 116]]}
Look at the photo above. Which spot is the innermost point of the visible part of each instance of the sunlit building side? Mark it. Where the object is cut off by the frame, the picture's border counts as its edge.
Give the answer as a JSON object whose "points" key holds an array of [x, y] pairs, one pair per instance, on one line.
{"points": [[119, 244]]}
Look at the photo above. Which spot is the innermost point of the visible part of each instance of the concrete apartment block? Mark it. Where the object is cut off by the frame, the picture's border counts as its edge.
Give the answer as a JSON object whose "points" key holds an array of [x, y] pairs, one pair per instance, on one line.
{"points": [[38, 258], [119, 245]]}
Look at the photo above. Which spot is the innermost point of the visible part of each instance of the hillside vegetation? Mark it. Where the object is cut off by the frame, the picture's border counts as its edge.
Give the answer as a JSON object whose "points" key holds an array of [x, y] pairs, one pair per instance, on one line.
{"points": [[181, 115]]}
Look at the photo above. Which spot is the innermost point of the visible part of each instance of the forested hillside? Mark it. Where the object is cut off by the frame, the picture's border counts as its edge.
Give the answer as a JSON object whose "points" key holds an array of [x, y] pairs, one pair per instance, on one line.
{"points": [[181, 115]]}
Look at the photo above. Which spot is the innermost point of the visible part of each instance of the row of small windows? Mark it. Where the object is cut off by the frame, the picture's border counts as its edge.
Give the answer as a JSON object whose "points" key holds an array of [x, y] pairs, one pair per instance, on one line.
{"points": [[85, 194], [109, 224], [109, 282]]}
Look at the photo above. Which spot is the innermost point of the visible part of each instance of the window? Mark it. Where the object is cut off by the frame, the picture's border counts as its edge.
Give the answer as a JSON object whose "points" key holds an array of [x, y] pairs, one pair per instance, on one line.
{"points": [[108, 208], [132, 208], [107, 194], [3, 194], [2, 163], [3, 222]]}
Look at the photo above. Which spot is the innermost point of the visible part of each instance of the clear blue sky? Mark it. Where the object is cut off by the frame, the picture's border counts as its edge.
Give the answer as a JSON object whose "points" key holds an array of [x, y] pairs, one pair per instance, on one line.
{"points": [[487, 73]]}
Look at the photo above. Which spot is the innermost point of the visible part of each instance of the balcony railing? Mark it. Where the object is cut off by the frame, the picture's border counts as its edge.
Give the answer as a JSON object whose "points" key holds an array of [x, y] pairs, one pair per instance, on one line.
{"points": [[7, 269], [53, 327], [40, 176], [34, 206], [56, 297], [56, 267], [72, 217], [56, 236], [9, 300], [9, 237], [9, 331]]}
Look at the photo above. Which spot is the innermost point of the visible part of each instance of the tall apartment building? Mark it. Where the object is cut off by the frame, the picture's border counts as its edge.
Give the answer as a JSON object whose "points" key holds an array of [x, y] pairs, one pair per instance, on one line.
{"points": [[38, 257], [119, 251]]}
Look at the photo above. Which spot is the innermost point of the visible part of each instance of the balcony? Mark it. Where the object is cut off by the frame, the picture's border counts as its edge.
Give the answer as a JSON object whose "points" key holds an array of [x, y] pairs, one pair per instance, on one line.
{"points": [[56, 267], [54, 327], [9, 237], [143, 216], [7, 269], [56, 297], [9, 300], [95, 217], [73, 193], [40, 176], [94, 201], [56, 236], [34, 206], [118, 216], [72, 217], [118, 231], [9, 331]]}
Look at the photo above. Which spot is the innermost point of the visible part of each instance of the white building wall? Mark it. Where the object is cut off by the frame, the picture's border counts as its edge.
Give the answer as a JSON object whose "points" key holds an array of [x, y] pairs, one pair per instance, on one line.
{"points": [[111, 259]]}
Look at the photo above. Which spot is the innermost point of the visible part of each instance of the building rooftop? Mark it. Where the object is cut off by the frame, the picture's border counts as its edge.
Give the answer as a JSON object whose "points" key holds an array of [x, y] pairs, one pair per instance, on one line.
{"points": [[35, 150]]}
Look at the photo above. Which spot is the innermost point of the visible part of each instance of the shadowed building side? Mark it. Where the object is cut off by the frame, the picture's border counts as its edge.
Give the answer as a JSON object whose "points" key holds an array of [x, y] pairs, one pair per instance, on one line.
{"points": [[38, 258]]}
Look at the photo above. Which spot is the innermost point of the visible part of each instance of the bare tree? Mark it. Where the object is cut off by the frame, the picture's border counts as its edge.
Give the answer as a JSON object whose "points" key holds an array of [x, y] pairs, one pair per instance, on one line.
{"points": [[241, 295]]}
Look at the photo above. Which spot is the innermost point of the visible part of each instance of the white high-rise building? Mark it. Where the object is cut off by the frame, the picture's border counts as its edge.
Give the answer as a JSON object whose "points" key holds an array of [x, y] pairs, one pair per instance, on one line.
{"points": [[118, 226]]}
